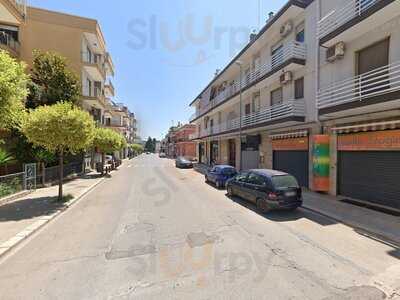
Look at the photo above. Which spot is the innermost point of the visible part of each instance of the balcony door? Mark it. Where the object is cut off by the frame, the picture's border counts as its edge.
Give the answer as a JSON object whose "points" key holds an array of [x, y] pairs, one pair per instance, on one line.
{"points": [[372, 68]]}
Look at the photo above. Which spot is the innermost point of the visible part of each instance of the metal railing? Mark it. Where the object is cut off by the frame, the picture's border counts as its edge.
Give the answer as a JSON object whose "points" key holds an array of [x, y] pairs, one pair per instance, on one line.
{"points": [[11, 184], [377, 82], [292, 108], [8, 41], [341, 15], [51, 174], [293, 49]]}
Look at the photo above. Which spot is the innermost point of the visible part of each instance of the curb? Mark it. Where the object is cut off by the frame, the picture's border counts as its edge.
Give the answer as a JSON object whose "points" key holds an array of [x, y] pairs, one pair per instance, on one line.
{"points": [[354, 225], [31, 229]]}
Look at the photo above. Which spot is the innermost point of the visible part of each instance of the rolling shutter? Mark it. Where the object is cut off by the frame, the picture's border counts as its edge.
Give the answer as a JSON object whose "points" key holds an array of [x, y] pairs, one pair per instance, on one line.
{"points": [[371, 176], [294, 163]]}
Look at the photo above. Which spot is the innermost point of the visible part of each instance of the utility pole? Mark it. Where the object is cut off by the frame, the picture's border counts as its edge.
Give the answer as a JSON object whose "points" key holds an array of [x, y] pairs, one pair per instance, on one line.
{"points": [[239, 63]]}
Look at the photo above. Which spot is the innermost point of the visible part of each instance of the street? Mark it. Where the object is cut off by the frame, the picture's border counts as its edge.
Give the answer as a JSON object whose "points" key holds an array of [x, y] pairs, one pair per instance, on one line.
{"points": [[152, 231]]}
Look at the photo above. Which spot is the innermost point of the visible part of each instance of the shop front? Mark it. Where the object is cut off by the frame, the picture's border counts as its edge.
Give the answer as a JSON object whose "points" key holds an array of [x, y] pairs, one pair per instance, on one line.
{"points": [[368, 167], [291, 155]]}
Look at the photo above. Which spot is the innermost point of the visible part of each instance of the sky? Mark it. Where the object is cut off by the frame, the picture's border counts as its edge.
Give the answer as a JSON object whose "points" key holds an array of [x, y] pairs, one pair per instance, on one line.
{"points": [[166, 52]]}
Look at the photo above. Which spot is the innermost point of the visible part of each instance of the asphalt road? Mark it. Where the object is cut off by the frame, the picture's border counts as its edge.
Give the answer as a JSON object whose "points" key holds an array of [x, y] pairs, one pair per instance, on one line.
{"points": [[152, 231]]}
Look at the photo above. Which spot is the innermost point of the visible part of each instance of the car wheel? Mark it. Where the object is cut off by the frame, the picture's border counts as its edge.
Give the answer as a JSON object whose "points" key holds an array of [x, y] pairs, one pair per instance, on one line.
{"points": [[261, 206]]}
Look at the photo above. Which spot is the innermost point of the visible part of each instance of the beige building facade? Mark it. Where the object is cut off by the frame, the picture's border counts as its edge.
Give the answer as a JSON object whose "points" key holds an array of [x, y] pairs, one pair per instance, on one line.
{"points": [[317, 71]]}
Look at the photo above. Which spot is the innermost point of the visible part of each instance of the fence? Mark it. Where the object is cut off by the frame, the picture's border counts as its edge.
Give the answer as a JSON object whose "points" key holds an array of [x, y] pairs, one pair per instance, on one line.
{"points": [[11, 184], [51, 173]]}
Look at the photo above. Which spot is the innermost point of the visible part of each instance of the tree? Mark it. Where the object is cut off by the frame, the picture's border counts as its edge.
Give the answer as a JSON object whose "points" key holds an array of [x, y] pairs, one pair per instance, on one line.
{"points": [[107, 140], [60, 128], [5, 157], [13, 91], [52, 81], [137, 148], [150, 145]]}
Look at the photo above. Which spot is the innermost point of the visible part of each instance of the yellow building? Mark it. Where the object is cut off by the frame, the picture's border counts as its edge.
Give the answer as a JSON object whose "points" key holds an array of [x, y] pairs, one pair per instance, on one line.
{"points": [[81, 41]]}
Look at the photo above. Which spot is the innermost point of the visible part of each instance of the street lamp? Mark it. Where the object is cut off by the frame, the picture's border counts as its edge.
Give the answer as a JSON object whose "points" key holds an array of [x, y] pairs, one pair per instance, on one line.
{"points": [[240, 64]]}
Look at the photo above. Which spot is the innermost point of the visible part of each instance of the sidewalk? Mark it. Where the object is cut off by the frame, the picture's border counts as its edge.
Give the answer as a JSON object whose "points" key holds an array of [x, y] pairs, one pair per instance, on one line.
{"points": [[23, 216], [378, 224]]}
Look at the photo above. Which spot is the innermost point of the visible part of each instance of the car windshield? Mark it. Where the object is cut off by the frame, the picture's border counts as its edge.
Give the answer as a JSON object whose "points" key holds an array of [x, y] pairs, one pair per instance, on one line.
{"points": [[228, 171], [284, 181], [182, 159]]}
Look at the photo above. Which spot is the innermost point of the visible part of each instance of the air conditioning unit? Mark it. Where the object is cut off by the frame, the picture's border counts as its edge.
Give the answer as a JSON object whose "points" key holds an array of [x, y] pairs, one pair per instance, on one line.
{"points": [[335, 52], [286, 77], [286, 29]]}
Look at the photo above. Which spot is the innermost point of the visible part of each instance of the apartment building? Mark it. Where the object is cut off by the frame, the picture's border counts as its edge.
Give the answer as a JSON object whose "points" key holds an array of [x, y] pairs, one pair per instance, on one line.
{"points": [[81, 41], [320, 99], [184, 146], [12, 18], [359, 97], [260, 111]]}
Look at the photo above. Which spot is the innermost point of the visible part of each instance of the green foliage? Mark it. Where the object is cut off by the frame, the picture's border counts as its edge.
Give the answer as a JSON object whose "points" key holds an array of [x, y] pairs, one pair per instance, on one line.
{"points": [[42, 155], [52, 81], [13, 91], [150, 145], [61, 127], [107, 140], [137, 148], [5, 157], [10, 186]]}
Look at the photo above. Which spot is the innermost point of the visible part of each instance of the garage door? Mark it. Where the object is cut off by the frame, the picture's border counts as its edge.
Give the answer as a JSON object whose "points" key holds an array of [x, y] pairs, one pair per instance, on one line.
{"points": [[294, 163], [370, 176]]}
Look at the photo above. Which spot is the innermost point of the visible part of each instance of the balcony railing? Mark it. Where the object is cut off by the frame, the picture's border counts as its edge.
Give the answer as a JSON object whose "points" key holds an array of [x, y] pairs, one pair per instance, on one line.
{"points": [[292, 50], [377, 82], [8, 41], [90, 58], [292, 108], [342, 15]]}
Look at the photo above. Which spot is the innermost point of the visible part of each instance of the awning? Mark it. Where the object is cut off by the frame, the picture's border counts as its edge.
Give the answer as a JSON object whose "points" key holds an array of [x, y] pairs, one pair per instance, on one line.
{"points": [[289, 135], [368, 127]]}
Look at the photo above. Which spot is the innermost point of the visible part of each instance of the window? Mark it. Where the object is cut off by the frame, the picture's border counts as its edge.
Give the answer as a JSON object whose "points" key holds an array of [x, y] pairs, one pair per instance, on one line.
{"points": [[276, 96], [241, 177], [277, 55], [256, 179], [299, 88], [300, 33], [284, 181], [370, 59], [89, 87], [255, 103], [247, 109]]}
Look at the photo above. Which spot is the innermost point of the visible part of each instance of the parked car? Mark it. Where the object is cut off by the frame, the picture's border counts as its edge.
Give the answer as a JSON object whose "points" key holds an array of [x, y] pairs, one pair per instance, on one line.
{"points": [[268, 189], [162, 155], [147, 152], [220, 174], [182, 162]]}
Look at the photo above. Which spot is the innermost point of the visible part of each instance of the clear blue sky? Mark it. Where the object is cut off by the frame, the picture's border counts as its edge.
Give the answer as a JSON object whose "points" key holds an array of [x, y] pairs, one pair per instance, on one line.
{"points": [[162, 61]]}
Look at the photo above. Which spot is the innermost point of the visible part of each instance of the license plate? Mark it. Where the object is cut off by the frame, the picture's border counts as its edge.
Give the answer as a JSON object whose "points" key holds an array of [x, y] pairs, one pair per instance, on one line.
{"points": [[290, 194]]}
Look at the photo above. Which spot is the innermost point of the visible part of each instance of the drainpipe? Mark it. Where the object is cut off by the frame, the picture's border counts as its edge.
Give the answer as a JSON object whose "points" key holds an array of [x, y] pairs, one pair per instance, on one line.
{"points": [[317, 61]]}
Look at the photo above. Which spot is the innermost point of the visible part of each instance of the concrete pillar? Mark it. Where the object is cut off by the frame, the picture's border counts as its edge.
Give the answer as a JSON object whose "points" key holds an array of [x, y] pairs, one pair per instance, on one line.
{"points": [[238, 154], [224, 152], [266, 155]]}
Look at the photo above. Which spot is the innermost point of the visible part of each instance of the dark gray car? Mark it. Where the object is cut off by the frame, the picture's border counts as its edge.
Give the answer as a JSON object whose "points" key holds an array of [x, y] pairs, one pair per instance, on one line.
{"points": [[268, 189], [182, 162]]}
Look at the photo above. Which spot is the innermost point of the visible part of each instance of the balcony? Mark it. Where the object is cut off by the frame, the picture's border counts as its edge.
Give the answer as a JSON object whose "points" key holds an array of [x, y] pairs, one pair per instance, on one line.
{"points": [[94, 95], [8, 43], [94, 66], [109, 89], [291, 55], [292, 111], [109, 65], [350, 21], [377, 86]]}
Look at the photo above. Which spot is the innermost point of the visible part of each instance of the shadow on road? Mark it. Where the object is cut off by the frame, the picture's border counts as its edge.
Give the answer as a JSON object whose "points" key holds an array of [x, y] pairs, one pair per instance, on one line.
{"points": [[29, 208], [284, 215]]}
